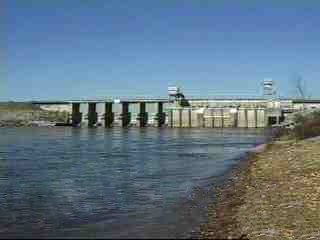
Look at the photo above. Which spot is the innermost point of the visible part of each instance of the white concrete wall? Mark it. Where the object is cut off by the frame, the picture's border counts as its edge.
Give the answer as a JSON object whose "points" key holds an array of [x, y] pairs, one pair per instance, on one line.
{"points": [[242, 121], [273, 104], [217, 118], [100, 109], [57, 107], [195, 119], [84, 109], [208, 118], [261, 118], [186, 118], [176, 118], [251, 118]]}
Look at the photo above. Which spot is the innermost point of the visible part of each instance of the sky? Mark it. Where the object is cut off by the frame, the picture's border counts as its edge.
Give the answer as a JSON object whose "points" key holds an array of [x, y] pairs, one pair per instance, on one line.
{"points": [[72, 49]]}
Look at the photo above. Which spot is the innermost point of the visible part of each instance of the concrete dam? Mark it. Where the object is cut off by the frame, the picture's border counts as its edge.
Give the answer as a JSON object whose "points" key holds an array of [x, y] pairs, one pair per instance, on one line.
{"points": [[179, 112], [222, 117]]}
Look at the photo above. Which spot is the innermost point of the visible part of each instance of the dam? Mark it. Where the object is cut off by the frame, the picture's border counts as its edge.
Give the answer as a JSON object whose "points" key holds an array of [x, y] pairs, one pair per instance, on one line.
{"points": [[179, 112]]}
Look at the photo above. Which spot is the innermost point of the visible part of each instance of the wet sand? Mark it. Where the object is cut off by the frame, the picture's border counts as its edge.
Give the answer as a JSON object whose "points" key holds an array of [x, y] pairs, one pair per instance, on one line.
{"points": [[274, 194]]}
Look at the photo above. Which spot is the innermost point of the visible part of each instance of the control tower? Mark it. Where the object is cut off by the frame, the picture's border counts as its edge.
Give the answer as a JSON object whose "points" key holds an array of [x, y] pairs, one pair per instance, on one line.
{"points": [[269, 89]]}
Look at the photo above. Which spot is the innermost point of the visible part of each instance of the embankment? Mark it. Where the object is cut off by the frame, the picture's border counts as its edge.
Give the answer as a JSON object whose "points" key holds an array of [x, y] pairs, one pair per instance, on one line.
{"points": [[24, 114], [273, 195]]}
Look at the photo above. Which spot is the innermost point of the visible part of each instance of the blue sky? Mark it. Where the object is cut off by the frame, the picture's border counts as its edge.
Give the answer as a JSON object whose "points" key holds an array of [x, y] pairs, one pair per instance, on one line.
{"points": [[58, 49]]}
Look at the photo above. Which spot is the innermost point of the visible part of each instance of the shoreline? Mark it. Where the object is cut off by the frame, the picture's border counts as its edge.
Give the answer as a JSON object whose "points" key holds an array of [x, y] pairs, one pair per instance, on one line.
{"points": [[228, 196], [245, 206]]}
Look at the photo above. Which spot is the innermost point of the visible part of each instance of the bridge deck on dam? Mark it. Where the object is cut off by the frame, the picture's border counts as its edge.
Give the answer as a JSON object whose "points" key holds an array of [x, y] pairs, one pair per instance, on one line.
{"points": [[112, 100]]}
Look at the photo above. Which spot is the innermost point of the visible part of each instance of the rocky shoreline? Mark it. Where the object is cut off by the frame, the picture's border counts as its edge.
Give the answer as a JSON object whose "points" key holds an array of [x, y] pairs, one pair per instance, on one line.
{"points": [[31, 118], [14, 123], [24, 123], [274, 194]]}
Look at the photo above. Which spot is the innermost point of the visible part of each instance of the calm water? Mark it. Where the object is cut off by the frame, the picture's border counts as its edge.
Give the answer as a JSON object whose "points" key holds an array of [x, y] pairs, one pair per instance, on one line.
{"points": [[150, 182]]}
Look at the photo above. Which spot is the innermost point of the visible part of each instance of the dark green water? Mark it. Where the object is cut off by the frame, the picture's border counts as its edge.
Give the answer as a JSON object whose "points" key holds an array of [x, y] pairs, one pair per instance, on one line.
{"points": [[122, 183]]}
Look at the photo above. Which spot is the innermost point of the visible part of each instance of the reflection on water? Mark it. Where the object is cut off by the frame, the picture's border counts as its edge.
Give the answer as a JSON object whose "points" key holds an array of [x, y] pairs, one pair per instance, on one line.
{"points": [[111, 182]]}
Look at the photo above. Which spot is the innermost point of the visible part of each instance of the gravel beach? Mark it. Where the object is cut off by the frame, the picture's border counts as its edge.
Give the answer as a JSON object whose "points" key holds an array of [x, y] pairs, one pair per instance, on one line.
{"points": [[275, 194]]}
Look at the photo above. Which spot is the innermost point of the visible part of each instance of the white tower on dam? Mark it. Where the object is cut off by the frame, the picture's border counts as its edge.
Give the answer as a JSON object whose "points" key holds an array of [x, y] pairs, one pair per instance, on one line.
{"points": [[269, 90]]}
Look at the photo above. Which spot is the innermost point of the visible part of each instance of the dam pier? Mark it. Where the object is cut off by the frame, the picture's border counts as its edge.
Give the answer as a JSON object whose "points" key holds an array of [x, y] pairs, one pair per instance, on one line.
{"points": [[101, 113]]}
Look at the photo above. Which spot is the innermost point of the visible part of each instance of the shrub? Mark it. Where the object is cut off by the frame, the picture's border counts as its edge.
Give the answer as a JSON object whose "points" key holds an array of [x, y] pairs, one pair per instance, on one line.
{"points": [[307, 125]]}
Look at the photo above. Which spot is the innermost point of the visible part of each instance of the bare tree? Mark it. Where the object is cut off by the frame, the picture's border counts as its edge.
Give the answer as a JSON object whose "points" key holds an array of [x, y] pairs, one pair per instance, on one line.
{"points": [[300, 86]]}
